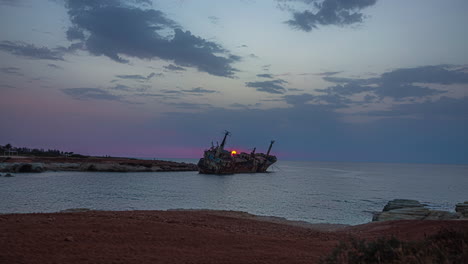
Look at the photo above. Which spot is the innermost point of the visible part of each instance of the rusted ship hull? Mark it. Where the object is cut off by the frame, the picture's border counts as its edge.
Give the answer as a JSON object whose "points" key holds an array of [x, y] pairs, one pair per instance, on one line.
{"points": [[217, 160], [207, 167]]}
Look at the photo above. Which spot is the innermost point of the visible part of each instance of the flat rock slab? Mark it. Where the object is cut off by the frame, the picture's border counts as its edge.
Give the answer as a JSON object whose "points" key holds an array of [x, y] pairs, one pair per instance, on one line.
{"points": [[401, 203]]}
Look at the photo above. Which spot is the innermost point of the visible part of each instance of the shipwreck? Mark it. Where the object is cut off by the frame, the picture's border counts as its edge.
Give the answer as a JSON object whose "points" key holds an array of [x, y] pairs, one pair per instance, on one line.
{"points": [[218, 160]]}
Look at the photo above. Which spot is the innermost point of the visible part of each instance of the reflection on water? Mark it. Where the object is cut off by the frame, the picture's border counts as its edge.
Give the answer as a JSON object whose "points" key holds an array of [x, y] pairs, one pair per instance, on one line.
{"points": [[312, 191]]}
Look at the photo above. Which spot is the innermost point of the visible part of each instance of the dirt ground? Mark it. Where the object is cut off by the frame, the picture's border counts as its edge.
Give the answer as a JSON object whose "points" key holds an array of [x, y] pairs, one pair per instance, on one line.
{"points": [[183, 237]]}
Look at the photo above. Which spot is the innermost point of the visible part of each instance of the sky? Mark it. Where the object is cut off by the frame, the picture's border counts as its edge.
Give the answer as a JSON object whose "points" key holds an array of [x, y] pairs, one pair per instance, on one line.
{"points": [[329, 80]]}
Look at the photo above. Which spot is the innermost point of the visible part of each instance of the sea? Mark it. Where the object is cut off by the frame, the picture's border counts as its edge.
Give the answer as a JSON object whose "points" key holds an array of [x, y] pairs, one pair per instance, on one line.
{"points": [[316, 192]]}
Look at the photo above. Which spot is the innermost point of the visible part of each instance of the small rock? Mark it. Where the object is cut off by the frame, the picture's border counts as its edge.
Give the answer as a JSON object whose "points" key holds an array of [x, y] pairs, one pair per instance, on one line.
{"points": [[69, 239], [75, 210], [9, 175]]}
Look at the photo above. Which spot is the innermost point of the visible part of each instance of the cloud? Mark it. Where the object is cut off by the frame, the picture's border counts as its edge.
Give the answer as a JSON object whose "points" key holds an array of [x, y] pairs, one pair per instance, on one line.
{"points": [[121, 87], [214, 20], [199, 90], [75, 33], [441, 74], [330, 73], [54, 66], [266, 67], [30, 51], [433, 131], [10, 2], [7, 86], [171, 92], [399, 83], [245, 106], [445, 107], [115, 29], [138, 77], [172, 67], [265, 75], [187, 105], [327, 101], [347, 89], [295, 89], [91, 93], [273, 86], [300, 99], [11, 70], [328, 12]]}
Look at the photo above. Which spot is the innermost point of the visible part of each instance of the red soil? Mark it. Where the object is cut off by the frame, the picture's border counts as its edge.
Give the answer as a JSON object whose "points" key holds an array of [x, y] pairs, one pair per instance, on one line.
{"points": [[180, 237]]}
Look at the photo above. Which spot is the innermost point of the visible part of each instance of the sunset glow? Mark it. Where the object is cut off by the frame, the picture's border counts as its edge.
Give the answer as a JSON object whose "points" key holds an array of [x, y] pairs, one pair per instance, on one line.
{"points": [[177, 73], [233, 153]]}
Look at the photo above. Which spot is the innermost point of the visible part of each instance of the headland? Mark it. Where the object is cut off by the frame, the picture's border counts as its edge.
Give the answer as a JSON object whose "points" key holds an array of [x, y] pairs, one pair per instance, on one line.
{"points": [[19, 164]]}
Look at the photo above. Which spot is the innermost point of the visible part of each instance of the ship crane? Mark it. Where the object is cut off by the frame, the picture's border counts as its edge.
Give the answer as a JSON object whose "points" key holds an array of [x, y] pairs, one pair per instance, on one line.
{"points": [[269, 148], [223, 143]]}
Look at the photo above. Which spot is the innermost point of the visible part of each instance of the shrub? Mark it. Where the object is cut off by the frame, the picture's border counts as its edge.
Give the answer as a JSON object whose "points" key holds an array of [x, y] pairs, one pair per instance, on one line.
{"points": [[446, 246]]}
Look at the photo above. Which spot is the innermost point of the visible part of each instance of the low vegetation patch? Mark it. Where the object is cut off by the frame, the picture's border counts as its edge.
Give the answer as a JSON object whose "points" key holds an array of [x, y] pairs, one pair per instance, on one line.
{"points": [[447, 246]]}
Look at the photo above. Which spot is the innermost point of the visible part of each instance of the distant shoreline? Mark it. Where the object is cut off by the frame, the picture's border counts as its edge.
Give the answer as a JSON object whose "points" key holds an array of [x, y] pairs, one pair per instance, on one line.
{"points": [[23, 164]]}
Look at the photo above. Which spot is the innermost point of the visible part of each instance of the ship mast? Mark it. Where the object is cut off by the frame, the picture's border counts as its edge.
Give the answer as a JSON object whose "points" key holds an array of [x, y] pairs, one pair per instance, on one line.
{"points": [[269, 149]]}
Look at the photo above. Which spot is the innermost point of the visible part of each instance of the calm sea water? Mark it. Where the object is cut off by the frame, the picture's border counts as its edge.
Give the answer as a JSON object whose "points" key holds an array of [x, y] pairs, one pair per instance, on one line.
{"points": [[316, 192]]}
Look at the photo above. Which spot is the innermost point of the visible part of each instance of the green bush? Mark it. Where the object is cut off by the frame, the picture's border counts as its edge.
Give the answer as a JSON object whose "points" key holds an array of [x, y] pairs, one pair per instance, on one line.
{"points": [[445, 247]]}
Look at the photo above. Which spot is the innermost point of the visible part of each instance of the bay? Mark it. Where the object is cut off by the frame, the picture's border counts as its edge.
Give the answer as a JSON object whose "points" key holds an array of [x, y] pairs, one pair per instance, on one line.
{"points": [[317, 192]]}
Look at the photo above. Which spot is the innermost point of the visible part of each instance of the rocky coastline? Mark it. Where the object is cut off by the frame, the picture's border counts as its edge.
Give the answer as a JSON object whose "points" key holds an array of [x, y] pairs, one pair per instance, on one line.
{"points": [[97, 164], [404, 209]]}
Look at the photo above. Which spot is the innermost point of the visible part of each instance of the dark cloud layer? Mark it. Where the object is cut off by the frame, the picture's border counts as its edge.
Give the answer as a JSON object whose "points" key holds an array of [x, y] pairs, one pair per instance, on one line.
{"points": [[115, 29], [327, 73], [91, 93], [432, 131], [199, 90], [400, 83], [10, 2], [328, 12], [138, 77], [10, 70], [272, 86], [31, 51], [445, 107], [75, 33], [172, 67], [265, 75], [54, 66]]}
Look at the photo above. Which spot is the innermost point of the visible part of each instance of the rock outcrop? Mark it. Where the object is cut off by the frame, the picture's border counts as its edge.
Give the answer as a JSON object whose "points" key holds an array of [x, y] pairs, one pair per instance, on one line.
{"points": [[21, 167], [39, 164], [402, 209], [462, 208]]}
